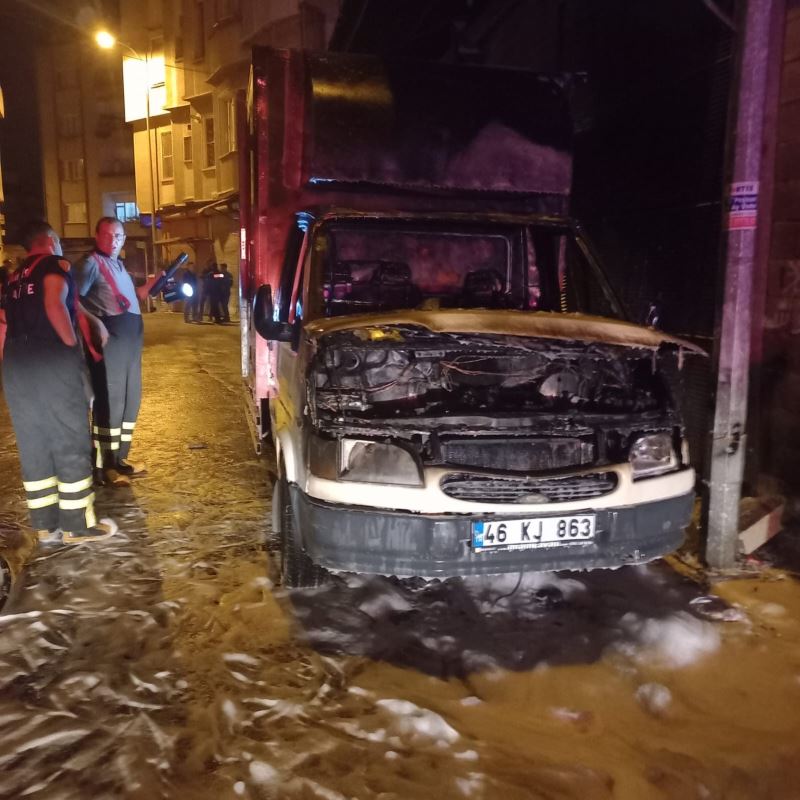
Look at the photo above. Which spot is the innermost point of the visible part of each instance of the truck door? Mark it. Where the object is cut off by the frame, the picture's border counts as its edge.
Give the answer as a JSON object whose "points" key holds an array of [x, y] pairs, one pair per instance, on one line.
{"points": [[290, 368]]}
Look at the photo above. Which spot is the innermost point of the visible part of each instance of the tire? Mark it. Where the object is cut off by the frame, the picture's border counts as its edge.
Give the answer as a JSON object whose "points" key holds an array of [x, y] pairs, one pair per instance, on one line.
{"points": [[297, 570]]}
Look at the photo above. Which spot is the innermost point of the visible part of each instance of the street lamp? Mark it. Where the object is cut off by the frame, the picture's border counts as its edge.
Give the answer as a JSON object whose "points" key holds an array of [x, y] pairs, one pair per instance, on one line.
{"points": [[107, 41]]}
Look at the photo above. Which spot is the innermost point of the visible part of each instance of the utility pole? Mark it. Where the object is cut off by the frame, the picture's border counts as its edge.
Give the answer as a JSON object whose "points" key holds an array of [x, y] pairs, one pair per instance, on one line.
{"points": [[732, 350]]}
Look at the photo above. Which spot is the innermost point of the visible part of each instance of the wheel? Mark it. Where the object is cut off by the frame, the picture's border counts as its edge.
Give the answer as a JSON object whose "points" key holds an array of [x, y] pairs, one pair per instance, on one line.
{"points": [[296, 567]]}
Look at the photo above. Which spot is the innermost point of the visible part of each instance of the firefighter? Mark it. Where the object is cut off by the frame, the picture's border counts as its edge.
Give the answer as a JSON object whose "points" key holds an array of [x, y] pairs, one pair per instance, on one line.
{"points": [[225, 280], [5, 272], [43, 379], [207, 291], [107, 291], [216, 289]]}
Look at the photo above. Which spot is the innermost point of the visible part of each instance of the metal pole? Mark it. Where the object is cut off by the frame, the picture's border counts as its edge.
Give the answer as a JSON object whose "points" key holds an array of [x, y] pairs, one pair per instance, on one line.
{"points": [[732, 350], [150, 163]]}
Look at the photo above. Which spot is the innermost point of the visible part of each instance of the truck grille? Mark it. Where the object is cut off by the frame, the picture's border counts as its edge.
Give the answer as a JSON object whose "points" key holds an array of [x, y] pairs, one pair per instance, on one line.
{"points": [[519, 455], [484, 489]]}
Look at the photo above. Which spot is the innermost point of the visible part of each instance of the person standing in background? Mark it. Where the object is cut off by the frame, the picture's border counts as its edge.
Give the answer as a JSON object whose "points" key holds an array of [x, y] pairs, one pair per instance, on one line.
{"points": [[216, 282], [226, 282], [5, 272], [207, 281]]}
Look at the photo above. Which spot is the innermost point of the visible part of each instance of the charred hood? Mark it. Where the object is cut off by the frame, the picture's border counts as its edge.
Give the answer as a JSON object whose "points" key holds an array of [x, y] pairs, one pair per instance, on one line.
{"points": [[418, 374], [524, 324]]}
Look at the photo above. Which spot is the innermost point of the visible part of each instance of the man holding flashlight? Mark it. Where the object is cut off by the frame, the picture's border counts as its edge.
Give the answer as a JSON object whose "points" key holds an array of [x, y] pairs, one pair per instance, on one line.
{"points": [[107, 291]]}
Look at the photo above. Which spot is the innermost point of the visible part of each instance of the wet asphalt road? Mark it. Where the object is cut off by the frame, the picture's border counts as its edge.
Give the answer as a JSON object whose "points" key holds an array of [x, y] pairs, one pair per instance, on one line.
{"points": [[164, 664]]}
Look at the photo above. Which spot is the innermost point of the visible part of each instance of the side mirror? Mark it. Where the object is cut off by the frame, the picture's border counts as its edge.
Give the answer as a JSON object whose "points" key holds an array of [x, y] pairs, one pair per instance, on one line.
{"points": [[263, 319]]}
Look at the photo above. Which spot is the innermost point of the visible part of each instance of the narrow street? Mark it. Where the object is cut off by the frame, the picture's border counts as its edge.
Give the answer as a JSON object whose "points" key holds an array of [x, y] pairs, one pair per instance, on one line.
{"points": [[164, 664]]}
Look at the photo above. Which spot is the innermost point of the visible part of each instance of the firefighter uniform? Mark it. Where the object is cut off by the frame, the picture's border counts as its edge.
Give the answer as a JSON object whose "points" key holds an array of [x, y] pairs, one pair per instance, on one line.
{"points": [[107, 291], [46, 395]]}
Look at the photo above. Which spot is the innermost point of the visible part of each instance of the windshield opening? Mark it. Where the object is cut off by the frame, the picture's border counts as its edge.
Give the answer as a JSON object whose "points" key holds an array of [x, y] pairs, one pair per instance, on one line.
{"points": [[365, 267]]}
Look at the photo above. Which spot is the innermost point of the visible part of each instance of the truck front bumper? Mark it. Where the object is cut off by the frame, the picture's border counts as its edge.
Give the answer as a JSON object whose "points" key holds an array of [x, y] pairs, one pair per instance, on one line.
{"points": [[347, 538]]}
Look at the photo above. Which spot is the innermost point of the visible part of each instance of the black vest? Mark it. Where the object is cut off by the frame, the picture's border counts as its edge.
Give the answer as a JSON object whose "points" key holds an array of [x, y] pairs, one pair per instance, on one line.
{"points": [[24, 299]]}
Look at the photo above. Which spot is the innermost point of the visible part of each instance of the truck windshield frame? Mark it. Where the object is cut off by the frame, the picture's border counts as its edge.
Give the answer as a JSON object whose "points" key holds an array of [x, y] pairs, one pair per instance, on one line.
{"points": [[366, 265]]}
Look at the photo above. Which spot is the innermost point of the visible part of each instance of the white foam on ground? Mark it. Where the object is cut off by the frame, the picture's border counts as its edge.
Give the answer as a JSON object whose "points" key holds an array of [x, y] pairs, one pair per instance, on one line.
{"points": [[383, 602], [573, 715], [262, 772], [470, 786], [479, 662], [411, 721], [240, 658], [772, 609], [471, 701], [675, 641], [711, 607], [654, 697]]}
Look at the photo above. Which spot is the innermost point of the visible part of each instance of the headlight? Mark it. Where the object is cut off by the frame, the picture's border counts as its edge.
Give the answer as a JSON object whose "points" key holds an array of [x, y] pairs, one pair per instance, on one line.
{"points": [[653, 455], [364, 461]]}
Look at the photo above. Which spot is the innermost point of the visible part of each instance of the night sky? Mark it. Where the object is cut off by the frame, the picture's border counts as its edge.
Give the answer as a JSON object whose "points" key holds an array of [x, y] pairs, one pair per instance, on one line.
{"points": [[19, 132]]}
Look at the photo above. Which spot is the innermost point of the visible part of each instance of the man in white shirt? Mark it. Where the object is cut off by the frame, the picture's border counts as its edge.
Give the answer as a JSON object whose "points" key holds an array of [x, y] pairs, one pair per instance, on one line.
{"points": [[107, 291]]}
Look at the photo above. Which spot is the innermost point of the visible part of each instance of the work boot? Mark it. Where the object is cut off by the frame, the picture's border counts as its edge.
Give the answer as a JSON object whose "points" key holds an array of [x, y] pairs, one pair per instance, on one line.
{"points": [[131, 470], [113, 477], [104, 529], [48, 537]]}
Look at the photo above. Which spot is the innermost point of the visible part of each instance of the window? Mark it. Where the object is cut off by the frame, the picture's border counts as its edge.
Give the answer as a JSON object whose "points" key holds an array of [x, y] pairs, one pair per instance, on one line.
{"points": [[179, 39], [72, 169], [106, 125], [225, 10], [167, 169], [227, 132], [187, 144], [67, 78], [208, 134], [69, 125], [126, 212], [75, 213], [199, 31], [104, 80], [117, 165]]}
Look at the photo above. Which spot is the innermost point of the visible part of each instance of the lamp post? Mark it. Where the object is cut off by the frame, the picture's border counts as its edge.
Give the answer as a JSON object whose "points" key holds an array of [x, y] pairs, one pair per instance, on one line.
{"points": [[107, 41]]}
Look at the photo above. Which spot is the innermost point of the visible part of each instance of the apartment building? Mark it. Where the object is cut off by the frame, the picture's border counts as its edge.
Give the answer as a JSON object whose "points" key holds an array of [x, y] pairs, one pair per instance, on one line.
{"points": [[185, 62], [87, 153]]}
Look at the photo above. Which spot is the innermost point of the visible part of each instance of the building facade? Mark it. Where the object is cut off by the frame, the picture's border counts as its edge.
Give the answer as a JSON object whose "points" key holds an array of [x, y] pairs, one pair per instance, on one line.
{"points": [[87, 153], [185, 64]]}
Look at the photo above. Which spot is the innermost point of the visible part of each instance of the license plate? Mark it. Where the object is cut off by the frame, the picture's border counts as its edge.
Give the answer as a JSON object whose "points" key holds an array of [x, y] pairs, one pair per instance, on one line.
{"points": [[537, 532]]}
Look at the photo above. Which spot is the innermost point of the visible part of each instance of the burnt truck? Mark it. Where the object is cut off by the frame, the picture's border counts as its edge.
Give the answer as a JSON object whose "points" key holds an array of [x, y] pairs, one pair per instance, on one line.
{"points": [[451, 384]]}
